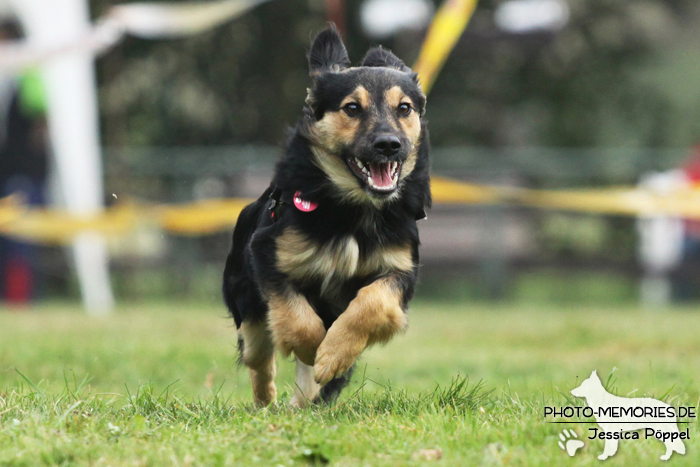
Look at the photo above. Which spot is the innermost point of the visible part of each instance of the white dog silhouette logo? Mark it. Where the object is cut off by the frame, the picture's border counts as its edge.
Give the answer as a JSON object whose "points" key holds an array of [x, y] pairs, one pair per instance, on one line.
{"points": [[616, 415]]}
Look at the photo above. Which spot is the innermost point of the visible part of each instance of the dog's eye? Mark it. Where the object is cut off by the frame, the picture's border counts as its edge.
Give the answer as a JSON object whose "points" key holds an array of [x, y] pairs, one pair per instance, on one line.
{"points": [[405, 109], [352, 109]]}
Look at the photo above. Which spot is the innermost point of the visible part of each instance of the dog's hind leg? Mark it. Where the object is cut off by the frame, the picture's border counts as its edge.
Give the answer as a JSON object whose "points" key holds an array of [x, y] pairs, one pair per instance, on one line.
{"points": [[609, 450], [258, 354], [306, 388]]}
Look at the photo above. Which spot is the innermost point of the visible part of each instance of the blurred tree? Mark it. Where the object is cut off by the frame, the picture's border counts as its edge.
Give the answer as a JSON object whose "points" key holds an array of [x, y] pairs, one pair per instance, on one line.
{"points": [[245, 81], [577, 86], [240, 83]]}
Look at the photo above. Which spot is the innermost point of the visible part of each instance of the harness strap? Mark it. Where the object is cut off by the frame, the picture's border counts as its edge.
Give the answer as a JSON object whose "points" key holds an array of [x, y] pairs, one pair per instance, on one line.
{"points": [[276, 204]]}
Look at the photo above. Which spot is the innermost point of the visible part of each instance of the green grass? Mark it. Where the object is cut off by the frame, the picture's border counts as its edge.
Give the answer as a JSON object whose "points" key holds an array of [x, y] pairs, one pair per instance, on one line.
{"points": [[158, 385]]}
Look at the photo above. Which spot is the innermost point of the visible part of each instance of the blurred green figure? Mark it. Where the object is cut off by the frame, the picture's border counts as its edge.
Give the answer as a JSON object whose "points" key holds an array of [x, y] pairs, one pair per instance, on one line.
{"points": [[23, 168]]}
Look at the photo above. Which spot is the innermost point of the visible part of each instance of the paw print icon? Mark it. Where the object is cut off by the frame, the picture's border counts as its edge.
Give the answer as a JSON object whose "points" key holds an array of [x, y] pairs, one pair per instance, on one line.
{"points": [[569, 442]]}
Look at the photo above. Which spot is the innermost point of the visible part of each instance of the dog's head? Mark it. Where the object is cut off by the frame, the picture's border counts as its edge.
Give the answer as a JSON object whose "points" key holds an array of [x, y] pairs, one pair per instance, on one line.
{"points": [[364, 123], [589, 387]]}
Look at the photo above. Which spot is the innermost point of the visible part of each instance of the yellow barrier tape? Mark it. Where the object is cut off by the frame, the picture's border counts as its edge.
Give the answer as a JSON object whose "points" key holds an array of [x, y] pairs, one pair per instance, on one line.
{"points": [[447, 26], [9, 211], [211, 216], [447, 191], [683, 203], [203, 217], [627, 202], [60, 227]]}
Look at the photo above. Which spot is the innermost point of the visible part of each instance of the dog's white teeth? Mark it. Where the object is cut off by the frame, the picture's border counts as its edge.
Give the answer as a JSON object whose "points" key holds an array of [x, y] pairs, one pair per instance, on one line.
{"points": [[370, 182], [359, 163], [394, 166]]}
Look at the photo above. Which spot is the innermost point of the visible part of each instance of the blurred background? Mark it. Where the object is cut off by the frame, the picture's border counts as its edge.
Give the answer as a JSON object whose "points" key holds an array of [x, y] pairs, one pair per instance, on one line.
{"points": [[548, 94]]}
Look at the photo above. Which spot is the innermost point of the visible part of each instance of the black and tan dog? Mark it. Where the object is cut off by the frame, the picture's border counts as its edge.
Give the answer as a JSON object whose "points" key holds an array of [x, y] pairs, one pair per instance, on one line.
{"points": [[324, 263]]}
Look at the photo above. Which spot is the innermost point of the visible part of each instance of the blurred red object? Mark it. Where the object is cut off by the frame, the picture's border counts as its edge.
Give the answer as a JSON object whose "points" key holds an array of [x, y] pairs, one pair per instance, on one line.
{"points": [[335, 12], [691, 168], [18, 282]]}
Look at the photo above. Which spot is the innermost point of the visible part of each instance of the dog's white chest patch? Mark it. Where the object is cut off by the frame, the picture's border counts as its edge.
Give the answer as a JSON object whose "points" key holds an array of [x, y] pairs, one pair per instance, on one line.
{"points": [[343, 257]]}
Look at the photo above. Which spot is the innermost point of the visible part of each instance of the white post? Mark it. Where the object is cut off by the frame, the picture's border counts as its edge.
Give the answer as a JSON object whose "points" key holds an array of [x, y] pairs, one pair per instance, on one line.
{"points": [[660, 242], [73, 129]]}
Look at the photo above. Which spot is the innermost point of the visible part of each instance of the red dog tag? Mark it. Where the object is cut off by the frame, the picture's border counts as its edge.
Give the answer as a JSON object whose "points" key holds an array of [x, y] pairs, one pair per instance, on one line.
{"points": [[302, 204]]}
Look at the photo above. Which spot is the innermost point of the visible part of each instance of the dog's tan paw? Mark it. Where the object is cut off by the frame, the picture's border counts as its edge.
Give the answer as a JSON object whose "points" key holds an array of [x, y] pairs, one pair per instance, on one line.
{"points": [[264, 394], [298, 401], [328, 367], [335, 356]]}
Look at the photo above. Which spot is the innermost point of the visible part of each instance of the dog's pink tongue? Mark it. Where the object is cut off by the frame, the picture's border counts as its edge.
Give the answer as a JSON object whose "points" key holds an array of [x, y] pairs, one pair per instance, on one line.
{"points": [[381, 174]]}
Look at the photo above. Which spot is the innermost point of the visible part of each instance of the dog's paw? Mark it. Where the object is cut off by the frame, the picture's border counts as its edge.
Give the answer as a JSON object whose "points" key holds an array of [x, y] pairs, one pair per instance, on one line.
{"points": [[328, 367], [298, 401], [335, 356], [264, 394]]}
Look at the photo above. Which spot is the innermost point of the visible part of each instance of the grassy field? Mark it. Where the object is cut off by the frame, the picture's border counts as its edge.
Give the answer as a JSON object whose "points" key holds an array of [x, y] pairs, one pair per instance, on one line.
{"points": [[158, 385]]}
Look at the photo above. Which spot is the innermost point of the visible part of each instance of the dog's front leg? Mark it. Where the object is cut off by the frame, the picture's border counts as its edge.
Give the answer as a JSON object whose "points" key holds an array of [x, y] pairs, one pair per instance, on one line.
{"points": [[374, 315], [295, 325]]}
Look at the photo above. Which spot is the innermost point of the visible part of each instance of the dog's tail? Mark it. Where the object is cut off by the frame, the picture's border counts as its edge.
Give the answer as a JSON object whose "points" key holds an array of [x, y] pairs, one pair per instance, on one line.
{"points": [[332, 389], [241, 348]]}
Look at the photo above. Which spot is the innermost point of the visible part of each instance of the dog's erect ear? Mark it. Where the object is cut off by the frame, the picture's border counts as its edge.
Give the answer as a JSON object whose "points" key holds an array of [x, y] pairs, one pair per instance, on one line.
{"points": [[328, 52], [380, 56]]}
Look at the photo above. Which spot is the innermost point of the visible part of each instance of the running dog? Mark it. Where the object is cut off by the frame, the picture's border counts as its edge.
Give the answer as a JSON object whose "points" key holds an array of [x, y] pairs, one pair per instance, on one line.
{"points": [[324, 263]]}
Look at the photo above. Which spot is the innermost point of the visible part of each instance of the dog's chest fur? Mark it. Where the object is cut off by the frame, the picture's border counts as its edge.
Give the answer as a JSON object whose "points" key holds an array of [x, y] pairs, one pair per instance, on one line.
{"points": [[334, 262]]}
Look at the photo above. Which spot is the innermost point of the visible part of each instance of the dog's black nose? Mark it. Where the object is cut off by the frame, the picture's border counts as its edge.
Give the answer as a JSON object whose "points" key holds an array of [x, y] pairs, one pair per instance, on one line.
{"points": [[387, 145]]}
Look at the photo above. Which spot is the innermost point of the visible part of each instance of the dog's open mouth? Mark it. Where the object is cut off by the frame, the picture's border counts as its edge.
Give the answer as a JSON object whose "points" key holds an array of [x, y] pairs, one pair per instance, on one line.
{"points": [[382, 177]]}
